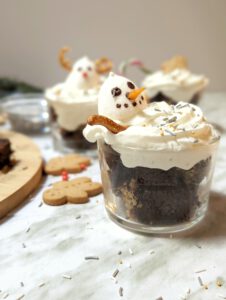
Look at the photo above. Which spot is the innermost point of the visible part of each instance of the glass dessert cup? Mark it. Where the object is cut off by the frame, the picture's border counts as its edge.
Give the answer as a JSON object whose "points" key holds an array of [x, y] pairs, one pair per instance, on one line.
{"points": [[153, 200], [70, 141], [160, 96], [65, 140]]}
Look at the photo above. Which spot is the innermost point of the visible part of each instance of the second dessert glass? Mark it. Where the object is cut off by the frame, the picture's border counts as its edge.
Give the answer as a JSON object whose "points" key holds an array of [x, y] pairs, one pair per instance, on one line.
{"points": [[71, 102]]}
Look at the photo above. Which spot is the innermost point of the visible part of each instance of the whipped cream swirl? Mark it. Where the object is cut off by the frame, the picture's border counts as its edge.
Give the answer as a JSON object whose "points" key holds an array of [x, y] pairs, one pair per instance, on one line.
{"points": [[161, 136], [178, 85]]}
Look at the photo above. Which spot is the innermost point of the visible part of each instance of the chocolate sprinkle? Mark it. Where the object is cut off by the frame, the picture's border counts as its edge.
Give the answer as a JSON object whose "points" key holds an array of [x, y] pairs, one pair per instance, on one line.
{"points": [[118, 105], [126, 105], [134, 104]]}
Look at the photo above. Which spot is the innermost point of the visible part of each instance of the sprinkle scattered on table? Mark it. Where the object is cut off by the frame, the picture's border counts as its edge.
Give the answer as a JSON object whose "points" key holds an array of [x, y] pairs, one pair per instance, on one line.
{"points": [[121, 291], [92, 257], [200, 271], [66, 276], [115, 273], [41, 284], [130, 251]]}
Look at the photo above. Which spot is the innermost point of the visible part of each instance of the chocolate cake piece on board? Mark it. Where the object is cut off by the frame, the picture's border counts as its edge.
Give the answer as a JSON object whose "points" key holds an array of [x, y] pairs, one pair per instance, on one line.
{"points": [[5, 152]]}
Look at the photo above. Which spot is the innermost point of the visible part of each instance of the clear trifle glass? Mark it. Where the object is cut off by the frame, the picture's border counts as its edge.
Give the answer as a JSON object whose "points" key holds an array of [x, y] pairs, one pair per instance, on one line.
{"points": [[68, 119], [153, 200]]}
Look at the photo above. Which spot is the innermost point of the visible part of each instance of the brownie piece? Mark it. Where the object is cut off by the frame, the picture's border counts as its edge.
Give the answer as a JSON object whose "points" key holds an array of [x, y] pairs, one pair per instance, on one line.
{"points": [[161, 97], [154, 196], [5, 152]]}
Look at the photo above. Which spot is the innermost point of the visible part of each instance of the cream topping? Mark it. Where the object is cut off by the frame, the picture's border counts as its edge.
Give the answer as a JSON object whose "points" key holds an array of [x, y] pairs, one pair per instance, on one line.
{"points": [[162, 136], [76, 99], [179, 85]]}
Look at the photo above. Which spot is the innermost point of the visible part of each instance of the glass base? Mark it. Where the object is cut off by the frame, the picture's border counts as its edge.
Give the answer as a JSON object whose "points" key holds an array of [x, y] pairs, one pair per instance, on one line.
{"points": [[141, 228], [66, 146]]}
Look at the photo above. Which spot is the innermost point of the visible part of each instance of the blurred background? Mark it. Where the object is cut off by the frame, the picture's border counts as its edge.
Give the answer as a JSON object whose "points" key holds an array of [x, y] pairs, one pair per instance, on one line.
{"points": [[32, 32]]}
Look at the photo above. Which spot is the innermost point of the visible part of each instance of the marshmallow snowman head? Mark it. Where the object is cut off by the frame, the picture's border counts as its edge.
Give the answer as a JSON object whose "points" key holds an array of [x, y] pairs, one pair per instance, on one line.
{"points": [[120, 99], [83, 75]]}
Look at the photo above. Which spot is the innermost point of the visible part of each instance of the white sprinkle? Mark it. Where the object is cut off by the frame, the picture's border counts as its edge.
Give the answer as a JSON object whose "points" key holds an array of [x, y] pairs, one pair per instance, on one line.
{"points": [[198, 246], [41, 284], [28, 229], [20, 297], [115, 273], [130, 251], [129, 265], [120, 252], [187, 293], [78, 217], [159, 298], [151, 251], [5, 296], [40, 204], [23, 245], [121, 291], [22, 284], [67, 276]]}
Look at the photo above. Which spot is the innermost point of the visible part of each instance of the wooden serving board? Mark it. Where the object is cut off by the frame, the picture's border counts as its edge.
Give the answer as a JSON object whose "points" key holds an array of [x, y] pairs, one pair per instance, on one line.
{"points": [[24, 176]]}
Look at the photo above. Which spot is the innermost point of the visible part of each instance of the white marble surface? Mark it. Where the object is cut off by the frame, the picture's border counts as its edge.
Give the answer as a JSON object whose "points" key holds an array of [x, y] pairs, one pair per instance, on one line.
{"points": [[39, 245]]}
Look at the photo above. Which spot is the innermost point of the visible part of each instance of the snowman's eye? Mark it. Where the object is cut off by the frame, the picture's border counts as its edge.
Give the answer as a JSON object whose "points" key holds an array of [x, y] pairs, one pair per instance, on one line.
{"points": [[116, 92], [89, 69], [79, 69], [131, 85]]}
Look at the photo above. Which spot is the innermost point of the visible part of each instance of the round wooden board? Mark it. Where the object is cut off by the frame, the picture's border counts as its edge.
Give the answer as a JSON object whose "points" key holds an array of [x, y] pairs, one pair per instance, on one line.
{"points": [[24, 177]]}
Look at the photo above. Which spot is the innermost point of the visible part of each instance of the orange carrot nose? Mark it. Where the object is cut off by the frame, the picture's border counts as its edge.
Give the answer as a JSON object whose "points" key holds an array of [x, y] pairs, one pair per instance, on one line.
{"points": [[132, 96]]}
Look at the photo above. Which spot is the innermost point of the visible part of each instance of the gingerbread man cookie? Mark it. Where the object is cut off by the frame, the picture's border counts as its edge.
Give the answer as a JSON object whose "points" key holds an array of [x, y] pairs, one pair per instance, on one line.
{"points": [[75, 191], [72, 163]]}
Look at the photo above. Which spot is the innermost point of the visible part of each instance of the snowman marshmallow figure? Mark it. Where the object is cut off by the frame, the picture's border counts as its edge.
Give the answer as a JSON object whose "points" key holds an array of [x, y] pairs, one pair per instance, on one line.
{"points": [[84, 74], [120, 99]]}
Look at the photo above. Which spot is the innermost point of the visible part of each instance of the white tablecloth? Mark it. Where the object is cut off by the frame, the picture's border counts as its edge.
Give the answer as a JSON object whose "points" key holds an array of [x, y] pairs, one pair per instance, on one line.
{"points": [[42, 248]]}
